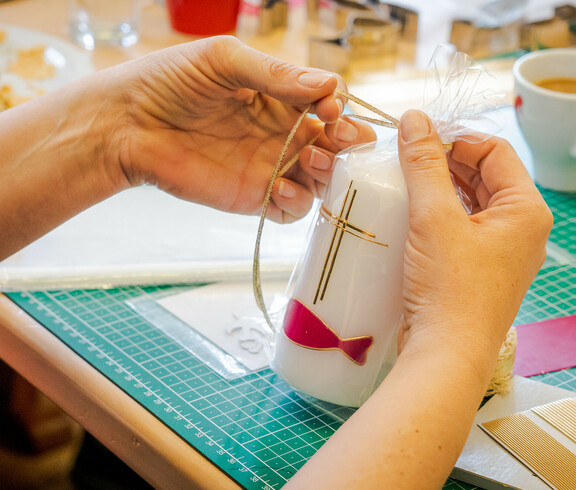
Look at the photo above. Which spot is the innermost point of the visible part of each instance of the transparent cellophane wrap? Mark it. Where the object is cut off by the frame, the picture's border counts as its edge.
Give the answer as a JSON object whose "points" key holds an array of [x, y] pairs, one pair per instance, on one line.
{"points": [[339, 336]]}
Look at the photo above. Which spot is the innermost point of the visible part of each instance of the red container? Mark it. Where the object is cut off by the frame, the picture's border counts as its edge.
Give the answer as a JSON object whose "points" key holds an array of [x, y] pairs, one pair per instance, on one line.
{"points": [[203, 17]]}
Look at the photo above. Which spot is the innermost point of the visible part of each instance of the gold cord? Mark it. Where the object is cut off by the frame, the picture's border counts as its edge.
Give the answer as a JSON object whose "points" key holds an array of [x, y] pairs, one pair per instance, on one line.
{"points": [[256, 281], [389, 122], [280, 169], [394, 123]]}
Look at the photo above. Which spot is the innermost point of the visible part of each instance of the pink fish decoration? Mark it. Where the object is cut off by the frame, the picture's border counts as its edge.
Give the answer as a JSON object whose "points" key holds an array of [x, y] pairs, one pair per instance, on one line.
{"points": [[305, 329]]}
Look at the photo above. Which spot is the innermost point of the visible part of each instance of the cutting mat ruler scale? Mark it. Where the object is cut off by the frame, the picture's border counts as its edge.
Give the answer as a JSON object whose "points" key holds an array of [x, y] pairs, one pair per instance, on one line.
{"points": [[256, 428]]}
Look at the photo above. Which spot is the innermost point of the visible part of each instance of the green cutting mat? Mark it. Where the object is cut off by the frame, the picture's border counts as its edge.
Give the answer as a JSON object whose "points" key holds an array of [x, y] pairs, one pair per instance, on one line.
{"points": [[256, 429]]}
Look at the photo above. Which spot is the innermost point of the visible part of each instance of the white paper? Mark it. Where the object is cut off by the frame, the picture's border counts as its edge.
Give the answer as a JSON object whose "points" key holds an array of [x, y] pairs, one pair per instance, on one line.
{"points": [[227, 315], [145, 236]]}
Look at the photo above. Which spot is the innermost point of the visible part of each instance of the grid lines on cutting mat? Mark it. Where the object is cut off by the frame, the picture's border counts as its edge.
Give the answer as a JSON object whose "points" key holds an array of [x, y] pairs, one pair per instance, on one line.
{"points": [[260, 432], [255, 428], [563, 207], [551, 295]]}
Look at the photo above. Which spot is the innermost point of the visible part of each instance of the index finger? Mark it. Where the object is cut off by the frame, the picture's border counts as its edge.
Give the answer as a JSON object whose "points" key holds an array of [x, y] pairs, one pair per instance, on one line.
{"points": [[499, 165], [245, 67]]}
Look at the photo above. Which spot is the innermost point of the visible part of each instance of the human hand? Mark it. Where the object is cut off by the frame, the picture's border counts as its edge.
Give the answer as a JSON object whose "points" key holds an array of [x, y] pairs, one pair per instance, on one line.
{"points": [[466, 275], [464, 279], [206, 122]]}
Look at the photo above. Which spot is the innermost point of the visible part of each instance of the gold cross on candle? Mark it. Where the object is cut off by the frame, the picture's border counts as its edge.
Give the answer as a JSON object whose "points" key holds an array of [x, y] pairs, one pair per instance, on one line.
{"points": [[341, 226]]}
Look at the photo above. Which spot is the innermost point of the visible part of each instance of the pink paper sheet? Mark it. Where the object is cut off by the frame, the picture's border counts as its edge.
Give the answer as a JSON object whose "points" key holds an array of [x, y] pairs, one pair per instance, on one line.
{"points": [[546, 346]]}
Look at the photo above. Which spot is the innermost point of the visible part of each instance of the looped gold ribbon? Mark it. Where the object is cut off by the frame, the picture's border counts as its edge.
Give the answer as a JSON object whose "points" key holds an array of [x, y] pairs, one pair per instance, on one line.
{"points": [[280, 169]]}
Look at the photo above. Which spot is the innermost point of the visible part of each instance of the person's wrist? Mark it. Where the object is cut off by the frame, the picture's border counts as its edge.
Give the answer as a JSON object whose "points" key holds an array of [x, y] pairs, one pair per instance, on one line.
{"points": [[100, 113], [471, 345], [54, 148]]}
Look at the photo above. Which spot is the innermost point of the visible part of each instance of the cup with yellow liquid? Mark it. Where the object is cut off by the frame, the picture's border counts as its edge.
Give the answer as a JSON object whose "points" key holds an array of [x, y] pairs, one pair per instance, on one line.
{"points": [[545, 103]]}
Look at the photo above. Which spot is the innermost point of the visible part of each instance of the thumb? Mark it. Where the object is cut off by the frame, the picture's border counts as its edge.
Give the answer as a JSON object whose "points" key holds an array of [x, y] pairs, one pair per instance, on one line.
{"points": [[423, 162]]}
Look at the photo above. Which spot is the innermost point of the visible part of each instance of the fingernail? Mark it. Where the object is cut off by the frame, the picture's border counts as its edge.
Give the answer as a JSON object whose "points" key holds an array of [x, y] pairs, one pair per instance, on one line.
{"points": [[320, 161], [340, 105], [286, 189], [414, 125], [345, 131], [314, 80]]}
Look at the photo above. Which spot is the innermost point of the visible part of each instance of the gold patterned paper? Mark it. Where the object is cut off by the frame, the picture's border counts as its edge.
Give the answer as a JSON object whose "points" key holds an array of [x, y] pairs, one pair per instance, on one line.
{"points": [[537, 449], [561, 415]]}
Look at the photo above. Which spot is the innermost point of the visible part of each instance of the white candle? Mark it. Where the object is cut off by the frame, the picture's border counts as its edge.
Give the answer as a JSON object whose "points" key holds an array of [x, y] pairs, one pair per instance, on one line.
{"points": [[338, 340]]}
